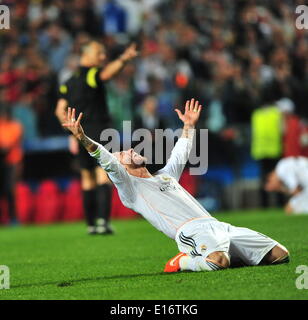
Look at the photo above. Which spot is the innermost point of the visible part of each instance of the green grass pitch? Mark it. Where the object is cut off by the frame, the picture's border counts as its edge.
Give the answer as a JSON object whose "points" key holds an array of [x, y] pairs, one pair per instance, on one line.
{"points": [[62, 262]]}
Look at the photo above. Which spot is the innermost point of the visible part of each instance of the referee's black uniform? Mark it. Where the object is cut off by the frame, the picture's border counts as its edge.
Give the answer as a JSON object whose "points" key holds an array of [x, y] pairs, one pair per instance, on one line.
{"points": [[85, 92]]}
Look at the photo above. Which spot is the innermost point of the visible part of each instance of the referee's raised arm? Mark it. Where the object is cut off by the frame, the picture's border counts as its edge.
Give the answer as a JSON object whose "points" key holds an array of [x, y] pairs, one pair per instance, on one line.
{"points": [[93, 53], [115, 66]]}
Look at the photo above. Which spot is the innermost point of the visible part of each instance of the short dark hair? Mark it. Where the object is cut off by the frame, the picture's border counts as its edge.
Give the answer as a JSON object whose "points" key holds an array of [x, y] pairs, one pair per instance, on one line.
{"points": [[87, 44]]}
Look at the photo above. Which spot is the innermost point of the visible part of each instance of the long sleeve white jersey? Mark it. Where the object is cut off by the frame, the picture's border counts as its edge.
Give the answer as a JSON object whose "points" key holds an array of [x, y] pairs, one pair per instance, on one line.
{"points": [[161, 200]]}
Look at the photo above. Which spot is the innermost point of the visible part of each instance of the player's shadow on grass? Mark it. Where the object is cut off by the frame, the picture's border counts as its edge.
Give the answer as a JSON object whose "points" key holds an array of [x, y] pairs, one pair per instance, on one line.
{"points": [[123, 276], [73, 281]]}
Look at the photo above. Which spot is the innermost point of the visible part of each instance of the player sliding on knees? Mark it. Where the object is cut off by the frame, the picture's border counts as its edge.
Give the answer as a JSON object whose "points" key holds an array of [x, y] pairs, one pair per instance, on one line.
{"points": [[204, 242]]}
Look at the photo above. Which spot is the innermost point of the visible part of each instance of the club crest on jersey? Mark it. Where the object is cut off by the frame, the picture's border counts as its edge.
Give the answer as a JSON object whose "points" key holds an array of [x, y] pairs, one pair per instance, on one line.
{"points": [[165, 178], [168, 184]]}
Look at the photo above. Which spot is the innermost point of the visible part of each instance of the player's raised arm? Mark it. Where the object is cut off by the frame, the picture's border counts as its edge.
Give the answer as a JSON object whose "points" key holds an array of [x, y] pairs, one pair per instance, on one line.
{"points": [[74, 125], [116, 66], [190, 117], [181, 150], [107, 160]]}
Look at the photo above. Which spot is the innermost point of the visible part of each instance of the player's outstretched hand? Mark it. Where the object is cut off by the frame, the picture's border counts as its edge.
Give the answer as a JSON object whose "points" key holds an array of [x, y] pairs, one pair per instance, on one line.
{"points": [[72, 124], [130, 53], [192, 112]]}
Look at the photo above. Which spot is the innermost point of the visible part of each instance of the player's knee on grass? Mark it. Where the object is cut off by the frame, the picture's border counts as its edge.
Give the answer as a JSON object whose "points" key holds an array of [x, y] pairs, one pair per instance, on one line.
{"points": [[219, 258], [278, 255], [288, 209]]}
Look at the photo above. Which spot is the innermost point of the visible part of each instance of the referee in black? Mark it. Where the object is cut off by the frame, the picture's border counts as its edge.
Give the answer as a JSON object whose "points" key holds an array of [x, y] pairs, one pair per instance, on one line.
{"points": [[85, 91]]}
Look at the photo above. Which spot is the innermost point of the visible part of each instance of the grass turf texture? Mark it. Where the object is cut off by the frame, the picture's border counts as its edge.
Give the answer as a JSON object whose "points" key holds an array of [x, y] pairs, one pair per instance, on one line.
{"points": [[62, 262]]}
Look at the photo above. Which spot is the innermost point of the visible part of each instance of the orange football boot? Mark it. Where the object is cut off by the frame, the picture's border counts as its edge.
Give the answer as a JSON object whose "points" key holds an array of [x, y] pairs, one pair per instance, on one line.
{"points": [[173, 265]]}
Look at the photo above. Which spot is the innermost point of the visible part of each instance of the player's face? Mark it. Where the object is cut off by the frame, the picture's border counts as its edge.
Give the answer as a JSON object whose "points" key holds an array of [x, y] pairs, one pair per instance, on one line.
{"points": [[131, 158]]}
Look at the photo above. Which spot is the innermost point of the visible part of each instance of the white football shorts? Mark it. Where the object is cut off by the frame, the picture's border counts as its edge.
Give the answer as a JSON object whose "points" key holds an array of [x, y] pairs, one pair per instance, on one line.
{"points": [[201, 237], [299, 203]]}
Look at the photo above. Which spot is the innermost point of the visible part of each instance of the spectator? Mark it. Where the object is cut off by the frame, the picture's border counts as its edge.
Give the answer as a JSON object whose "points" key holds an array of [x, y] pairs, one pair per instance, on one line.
{"points": [[148, 118], [10, 159], [266, 145]]}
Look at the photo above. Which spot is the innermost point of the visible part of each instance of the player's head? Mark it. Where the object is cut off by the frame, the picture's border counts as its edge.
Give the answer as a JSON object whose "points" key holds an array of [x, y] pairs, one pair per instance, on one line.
{"points": [[273, 183], [131, 159], [93, 54]]}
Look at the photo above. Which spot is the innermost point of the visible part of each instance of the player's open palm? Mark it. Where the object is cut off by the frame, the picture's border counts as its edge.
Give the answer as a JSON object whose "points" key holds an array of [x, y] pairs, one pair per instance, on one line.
{"points": [[192, 112], [72, 124]]}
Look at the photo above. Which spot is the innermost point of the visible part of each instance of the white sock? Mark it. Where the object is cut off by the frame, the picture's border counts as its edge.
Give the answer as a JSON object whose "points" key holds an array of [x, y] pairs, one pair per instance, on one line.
{"points": [[197, 264]]}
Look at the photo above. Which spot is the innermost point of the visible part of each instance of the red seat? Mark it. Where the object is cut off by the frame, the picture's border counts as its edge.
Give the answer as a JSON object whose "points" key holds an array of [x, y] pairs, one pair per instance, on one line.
{"points": [[4, 214], [48, 203], [189, 182], [118, 211], [73, 205], [24, 203]]}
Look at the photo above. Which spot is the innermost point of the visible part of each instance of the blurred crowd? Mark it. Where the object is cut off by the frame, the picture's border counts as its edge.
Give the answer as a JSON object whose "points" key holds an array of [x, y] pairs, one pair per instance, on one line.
{"points": [[234, 56]]}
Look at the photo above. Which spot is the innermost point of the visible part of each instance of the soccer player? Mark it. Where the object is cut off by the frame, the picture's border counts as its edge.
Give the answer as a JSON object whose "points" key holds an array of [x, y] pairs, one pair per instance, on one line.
{"points": [[291, 178], [86, 90], [204, 242]]}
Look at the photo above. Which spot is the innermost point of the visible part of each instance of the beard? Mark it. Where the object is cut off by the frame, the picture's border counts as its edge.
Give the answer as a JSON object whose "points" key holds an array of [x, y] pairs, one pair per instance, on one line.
{"points": [[140, 162], [143, 164]]}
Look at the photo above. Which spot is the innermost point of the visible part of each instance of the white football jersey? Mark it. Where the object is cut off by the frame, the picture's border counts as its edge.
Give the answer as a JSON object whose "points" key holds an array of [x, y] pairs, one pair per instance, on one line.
{"points": [[161, 200], [293, 172]]}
